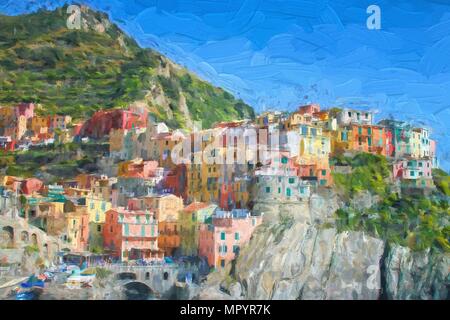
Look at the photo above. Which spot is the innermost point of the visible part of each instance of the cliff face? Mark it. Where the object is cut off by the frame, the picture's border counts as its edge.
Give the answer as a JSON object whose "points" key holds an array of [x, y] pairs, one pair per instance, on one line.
{"points": [[79, 71], [307, 259]]}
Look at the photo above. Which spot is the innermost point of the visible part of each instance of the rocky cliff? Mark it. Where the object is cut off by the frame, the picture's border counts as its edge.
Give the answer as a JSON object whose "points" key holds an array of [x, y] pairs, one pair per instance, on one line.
{"points": [[298, 258]]}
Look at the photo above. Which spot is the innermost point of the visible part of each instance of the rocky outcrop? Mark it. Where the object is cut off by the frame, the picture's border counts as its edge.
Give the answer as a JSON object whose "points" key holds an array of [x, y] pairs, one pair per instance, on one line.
{"points": [[416, 275], [311, 263], [309, 259]]}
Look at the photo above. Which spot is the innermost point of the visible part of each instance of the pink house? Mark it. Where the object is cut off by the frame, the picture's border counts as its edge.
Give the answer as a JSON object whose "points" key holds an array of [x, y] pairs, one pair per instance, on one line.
{"points": [[31, 185], [25, 109], [222, 240], [309, 109], [413, 169], [131, 234]]}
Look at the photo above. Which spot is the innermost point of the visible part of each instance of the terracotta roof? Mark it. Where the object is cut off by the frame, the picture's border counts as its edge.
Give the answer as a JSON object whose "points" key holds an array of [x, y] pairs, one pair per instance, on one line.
{"points": [[195, 206]]}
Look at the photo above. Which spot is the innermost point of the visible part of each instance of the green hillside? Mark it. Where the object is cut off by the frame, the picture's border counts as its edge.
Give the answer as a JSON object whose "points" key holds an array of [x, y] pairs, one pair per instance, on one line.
{"points": [[76, 72]]}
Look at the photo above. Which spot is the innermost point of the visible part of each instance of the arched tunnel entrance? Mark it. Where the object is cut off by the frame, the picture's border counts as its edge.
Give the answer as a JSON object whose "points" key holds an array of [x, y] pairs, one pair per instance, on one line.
{"points": [[136, 290]]}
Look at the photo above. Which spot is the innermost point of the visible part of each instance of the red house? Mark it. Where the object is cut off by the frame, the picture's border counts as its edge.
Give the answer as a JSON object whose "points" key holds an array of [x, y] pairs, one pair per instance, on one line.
{"points": [[175, 182], [101, 123], [25, 109], [31, 185]]}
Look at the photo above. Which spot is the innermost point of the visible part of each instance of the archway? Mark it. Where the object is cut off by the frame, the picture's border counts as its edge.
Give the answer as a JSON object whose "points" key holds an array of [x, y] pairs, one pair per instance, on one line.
{"points": [[24, 236], [34, 239], [7, 236], [137, 291]]}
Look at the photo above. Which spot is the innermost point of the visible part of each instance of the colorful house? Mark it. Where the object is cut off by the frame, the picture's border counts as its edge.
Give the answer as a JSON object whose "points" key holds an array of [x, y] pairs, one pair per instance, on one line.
{"points": [[131, 235], [401, 135], [77, 229], [348, 116], [59, 122], [416, 173], [221, 241], [39, 125], [190, 219], [165, 206], [370, 138], [31, 185], [169, 237]]}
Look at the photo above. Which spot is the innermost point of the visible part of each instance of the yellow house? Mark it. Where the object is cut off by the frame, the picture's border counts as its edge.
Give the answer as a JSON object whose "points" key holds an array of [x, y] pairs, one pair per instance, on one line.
{"points": [[268, 117], [205, 180], [190, 220], [314, 146], [77, 228], [165, 143], [340, 139], [295, 119], [240, 190], [96, 205], [39, 125], [166, 206], [116, 139], [96, 208]]}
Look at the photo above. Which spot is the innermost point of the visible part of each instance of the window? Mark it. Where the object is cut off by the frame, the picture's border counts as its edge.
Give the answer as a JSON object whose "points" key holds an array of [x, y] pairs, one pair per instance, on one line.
{"points": [[324, 172], [97, 217], [291, 180], [267, 189], [235, 249], [304, 131], [126, 229], [412, 173], [92, 205], [253, 222], [359, 130], [222, 263], [349, 114], [236, 236], [369, 130], [143, 230], [279, 190], [222, 236], [288, 192], [284, 160], [367, 116], [369, 141], [99, 228]]}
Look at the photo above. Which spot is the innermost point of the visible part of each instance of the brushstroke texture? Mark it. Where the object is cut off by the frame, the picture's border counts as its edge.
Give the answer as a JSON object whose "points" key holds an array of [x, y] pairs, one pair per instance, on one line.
{"points": [[279, 54]]}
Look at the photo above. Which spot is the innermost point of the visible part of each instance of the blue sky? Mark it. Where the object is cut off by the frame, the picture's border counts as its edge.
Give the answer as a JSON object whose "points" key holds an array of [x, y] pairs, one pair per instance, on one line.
{"points": [[281, 54]]}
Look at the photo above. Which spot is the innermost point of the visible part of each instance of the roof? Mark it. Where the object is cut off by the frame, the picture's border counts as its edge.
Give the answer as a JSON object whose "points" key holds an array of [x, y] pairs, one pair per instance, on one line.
{"points": [[195, 206]]}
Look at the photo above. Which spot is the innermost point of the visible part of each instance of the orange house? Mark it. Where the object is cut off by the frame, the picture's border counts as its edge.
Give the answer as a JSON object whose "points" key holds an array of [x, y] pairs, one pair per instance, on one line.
{"points": [[369, 138], [169, 237]]}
